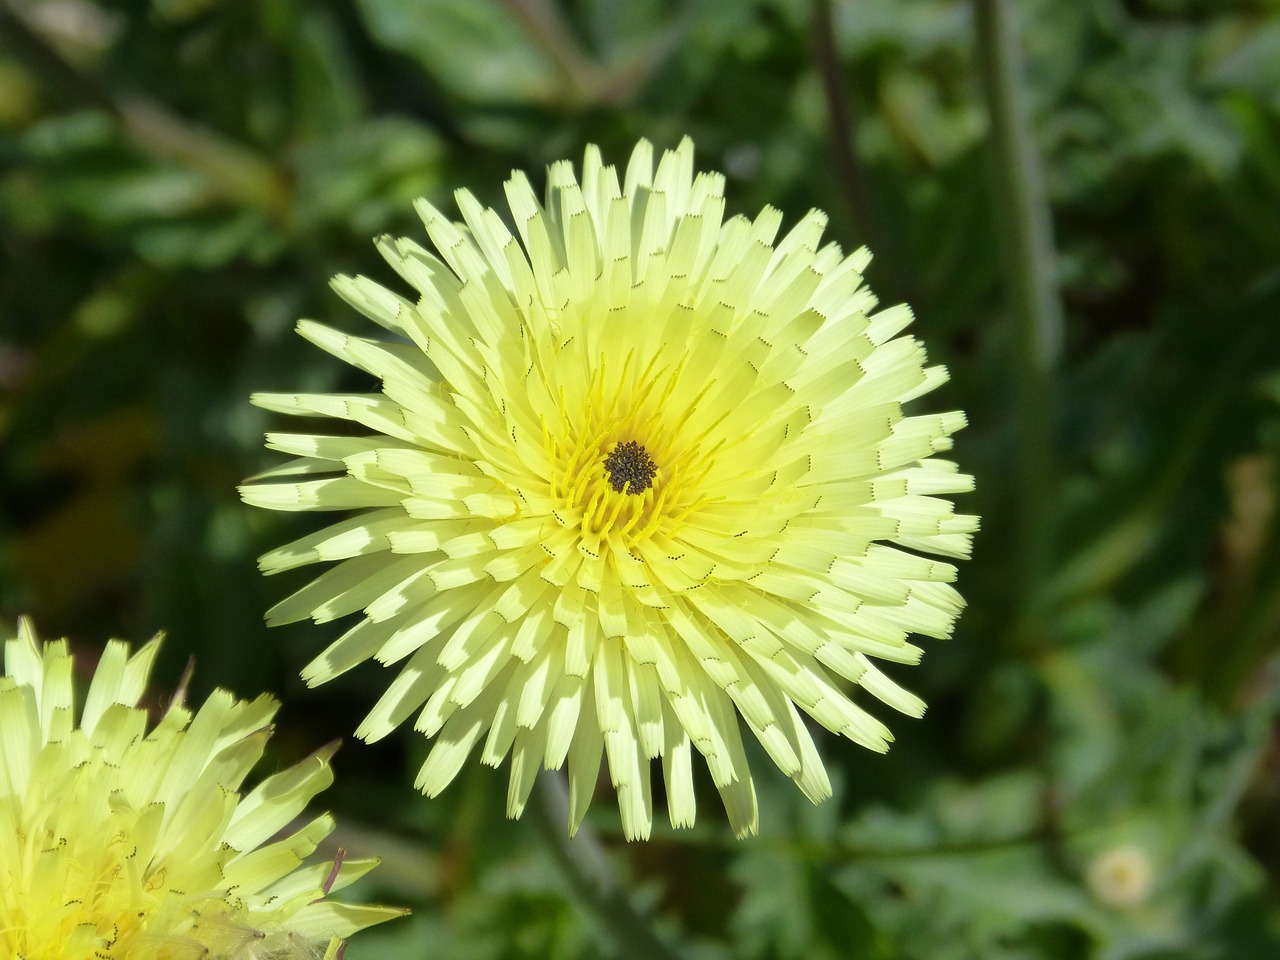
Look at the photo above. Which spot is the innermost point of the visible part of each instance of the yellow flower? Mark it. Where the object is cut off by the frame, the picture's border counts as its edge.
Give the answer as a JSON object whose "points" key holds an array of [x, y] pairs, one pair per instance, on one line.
{"points": [[121, 842], [1121, 876], [634, 476]]}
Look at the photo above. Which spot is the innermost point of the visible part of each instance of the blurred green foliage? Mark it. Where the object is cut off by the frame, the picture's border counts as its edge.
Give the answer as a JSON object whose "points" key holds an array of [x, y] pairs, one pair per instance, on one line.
{"points": [[179, 178]]}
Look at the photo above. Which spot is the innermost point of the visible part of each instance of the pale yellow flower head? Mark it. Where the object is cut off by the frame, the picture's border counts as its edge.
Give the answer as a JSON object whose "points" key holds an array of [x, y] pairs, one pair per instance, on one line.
{"points": [[119, 839], [637, 476], [1121, 876]]}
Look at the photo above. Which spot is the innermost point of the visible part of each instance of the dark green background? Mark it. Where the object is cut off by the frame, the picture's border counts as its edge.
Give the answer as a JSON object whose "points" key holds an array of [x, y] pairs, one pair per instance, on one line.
{"points": [[179, 178]]}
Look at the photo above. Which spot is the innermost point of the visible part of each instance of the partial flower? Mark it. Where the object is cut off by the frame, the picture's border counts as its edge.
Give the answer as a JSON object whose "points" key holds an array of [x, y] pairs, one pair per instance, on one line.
{"points": [[634, 479], [119, 839]]}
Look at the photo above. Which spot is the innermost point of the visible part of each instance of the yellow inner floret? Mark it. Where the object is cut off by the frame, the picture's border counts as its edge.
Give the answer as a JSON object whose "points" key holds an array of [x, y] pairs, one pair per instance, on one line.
{"points": [[613, 415], [79, 881]]}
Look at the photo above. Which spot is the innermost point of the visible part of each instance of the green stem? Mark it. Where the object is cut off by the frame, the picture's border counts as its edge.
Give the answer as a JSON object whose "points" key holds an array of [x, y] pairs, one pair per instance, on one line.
{"points": [[1026, 231], [585, 863], [48, 63], [545, 25], [233, 172], [850, 175]]}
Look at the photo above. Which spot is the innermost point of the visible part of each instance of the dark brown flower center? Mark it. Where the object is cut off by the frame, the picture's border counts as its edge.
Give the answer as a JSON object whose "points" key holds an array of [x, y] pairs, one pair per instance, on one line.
{"points": [[630, 462]]}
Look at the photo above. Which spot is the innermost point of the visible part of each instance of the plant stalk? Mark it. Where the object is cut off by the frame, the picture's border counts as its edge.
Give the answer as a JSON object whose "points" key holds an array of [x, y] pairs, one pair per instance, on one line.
{"points": [[1026, 231], [234, 172], [585, 863], [850, 174]]}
